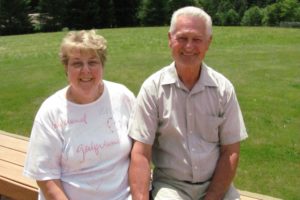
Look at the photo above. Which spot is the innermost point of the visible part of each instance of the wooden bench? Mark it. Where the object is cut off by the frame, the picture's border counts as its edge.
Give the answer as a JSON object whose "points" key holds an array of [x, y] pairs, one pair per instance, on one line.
{"points": [[12, 156], [15, 186], [245, 195]]}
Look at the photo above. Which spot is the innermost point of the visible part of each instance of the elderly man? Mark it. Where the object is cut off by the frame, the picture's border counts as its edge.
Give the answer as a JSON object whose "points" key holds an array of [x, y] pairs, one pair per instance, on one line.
{"points": [[187, 121]]}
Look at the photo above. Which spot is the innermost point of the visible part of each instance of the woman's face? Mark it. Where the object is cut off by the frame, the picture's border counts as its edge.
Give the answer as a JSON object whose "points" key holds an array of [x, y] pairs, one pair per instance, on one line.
{"points": [[84, 71]]}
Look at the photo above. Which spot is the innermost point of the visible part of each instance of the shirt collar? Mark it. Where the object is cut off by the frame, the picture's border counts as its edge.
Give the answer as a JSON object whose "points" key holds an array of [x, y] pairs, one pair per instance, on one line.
{"points": [[206, 78], [170, 75]]}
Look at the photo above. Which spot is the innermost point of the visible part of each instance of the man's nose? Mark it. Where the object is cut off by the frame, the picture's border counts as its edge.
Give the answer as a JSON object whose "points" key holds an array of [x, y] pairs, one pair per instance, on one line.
{"points": [[189, 43]]}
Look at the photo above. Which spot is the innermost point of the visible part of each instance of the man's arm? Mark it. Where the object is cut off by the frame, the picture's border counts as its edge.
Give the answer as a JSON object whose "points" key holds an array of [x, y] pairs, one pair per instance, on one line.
{"points": [[52, 189], [224, 172], [139, 171]]}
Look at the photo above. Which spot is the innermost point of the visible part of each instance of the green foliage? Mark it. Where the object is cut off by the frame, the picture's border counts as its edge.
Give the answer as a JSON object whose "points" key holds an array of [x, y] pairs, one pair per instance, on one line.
{"points": [[78, 17], [54, 15], [176, 4], [225, 12], [158, 12], [282, 11], [260, 3], [252, 17], [126, 12], [51, 16], [106, 18], [82, 14], [153, 12], [289, 10], [14, 17], [230, 18], [33, 4]]}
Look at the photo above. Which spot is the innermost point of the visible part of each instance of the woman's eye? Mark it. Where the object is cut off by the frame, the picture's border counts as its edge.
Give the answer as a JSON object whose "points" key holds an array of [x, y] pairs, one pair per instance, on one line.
{"points": [[76, 64], [93, 63]]}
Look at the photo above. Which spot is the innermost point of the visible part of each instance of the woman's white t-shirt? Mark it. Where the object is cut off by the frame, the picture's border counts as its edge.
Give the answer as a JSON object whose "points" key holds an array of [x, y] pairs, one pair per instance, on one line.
{"points": [[86, 146]]}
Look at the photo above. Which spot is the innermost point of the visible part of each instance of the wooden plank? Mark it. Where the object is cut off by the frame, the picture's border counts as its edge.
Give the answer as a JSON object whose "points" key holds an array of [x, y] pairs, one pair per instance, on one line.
{"points": [[9, 171], [14, 185], [16, 191], [12, 156], [9, 141], [21, 137], [247, 198], [245, 195]]}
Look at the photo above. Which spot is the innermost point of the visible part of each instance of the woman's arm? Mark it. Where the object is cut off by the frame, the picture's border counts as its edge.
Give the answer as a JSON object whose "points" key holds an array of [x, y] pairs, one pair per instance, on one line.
{"points": [[52, 189]]}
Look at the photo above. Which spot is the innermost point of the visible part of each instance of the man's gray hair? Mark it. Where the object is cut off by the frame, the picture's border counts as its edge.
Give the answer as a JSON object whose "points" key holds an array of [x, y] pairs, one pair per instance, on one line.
{"points": [[191, 11]]}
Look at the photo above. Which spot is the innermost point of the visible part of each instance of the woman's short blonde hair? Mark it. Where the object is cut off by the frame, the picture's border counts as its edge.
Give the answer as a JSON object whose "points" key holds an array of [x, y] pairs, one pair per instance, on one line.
{"points": [[85, 42]]}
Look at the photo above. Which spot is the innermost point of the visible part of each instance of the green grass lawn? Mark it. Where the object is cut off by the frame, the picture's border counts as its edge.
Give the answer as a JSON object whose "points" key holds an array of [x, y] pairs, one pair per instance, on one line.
{"points": [[263, 63]]}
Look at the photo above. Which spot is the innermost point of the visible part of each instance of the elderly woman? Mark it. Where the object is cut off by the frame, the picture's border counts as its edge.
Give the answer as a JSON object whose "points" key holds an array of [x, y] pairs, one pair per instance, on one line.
{"points": [[79, 148]]}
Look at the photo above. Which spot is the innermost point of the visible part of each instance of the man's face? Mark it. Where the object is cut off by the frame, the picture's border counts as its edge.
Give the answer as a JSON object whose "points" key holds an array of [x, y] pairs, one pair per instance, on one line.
{"points": [[189, 41]]}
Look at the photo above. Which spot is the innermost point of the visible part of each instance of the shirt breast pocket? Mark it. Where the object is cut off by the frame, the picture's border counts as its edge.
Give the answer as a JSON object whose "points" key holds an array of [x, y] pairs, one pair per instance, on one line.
{"points": [[208, 127]]}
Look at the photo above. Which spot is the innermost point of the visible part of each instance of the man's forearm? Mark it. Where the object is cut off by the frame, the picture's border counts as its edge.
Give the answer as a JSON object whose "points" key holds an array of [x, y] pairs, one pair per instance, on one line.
{"points": [[139, 178], [224, 173], [139, 171]]}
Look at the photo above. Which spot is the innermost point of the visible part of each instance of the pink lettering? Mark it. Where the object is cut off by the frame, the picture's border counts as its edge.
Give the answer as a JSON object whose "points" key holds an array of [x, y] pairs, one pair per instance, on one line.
{"points": [[64, 123], [84, 149]]}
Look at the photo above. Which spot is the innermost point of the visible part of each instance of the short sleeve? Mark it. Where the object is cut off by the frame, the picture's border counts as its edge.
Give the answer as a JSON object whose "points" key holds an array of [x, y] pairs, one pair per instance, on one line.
{"points": [[44, 153], [233, 127], [143, 123]]}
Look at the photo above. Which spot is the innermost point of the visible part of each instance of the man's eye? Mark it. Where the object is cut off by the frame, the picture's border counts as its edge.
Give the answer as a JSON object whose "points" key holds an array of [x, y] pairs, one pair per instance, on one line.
{"points": [[181, 39], [197, 40]]}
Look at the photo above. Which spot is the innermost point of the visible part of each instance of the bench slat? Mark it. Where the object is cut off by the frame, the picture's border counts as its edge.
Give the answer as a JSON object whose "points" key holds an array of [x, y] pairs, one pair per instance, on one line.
{"points": [[245, 195], [9, 171], [12, 156], [17, 191], [247, 198], [18, 144]]}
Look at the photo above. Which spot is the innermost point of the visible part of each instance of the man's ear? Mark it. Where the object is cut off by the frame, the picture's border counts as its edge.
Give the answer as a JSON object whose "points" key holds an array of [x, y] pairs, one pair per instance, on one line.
{"points": [[209, 40], [169, 39]]}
